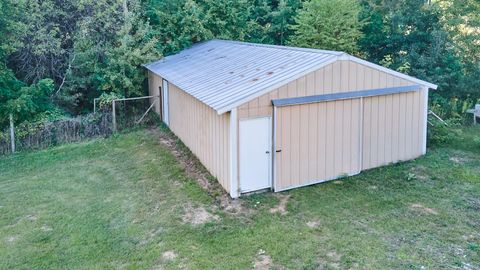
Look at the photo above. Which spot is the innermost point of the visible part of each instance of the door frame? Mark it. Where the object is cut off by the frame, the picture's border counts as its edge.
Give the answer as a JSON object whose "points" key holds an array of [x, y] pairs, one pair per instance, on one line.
{"points": [[274, 147], [165, 103], [271, 156], [160, 102]]}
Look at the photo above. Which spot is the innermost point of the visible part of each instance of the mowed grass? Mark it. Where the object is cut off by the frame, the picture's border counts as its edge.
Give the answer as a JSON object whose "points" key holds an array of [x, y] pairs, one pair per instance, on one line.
{"points": [[121, 203]]}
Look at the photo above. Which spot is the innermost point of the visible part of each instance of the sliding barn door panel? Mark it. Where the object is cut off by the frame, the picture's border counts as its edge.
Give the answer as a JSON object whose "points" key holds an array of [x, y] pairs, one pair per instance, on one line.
{"points": [[392, 128], [317, 142]]}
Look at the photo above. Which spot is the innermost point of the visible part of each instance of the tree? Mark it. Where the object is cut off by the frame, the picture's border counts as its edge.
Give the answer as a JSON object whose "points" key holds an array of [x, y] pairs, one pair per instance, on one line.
{"points": [[328, 24], [111, 43], [133, 46], [462, 21], [176, 24], [408, 36], [16, 97]]}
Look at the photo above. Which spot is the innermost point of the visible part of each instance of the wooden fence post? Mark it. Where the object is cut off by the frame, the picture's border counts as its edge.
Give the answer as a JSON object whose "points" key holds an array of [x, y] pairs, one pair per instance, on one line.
{"points": [[114, 117], [12, 134]]}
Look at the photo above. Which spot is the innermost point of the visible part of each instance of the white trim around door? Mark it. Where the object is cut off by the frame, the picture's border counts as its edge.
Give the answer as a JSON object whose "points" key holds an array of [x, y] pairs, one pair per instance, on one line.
{"points": [[255, 154], [166, 115]]}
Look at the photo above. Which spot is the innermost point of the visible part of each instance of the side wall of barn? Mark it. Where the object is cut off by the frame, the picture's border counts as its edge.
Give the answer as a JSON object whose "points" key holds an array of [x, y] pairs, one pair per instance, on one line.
{"points": [[326, 141], [200, 128]]}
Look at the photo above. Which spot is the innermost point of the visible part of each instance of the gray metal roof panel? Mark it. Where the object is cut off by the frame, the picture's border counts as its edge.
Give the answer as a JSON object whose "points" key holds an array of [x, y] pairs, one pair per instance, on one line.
{"points": [[224, 74], [220, 73]]}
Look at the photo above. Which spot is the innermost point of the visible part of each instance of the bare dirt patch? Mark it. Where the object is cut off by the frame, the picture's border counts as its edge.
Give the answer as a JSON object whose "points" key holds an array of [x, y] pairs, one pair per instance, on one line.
{"points": [[282, 205], [198, 215], [459, 159], [330, 261], [169, 255], [46, 228], [420, 172], [195, 170], [313, 224], [262, 261], [12, 239], [424, 209], [150, 235], [31, 218]]}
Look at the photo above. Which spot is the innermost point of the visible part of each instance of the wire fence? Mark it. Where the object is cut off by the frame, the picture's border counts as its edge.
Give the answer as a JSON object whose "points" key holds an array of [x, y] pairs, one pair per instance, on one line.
{"points": [[104, 122], [34, 136]]}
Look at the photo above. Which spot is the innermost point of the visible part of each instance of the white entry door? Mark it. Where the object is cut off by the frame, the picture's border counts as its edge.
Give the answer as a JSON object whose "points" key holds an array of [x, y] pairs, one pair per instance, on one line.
{"points": [[255, 154]]}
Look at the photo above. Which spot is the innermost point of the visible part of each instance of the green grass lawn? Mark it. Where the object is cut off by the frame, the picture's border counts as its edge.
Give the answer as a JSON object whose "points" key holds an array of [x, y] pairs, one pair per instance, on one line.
{"points": [[125, 202]]}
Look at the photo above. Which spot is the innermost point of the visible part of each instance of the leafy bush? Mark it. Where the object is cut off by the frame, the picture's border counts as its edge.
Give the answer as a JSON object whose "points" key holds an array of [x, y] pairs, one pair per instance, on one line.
{"points": [[453, 108], [105, 100], [442, 132]]}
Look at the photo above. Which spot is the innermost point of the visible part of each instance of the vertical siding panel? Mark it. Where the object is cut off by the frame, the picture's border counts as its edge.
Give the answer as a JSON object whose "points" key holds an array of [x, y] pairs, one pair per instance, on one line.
{"points": [[318, 82], [367, 122], [352, 77], [346, 135], [295, 145], [374, 132], [381, 132], [301, 84], [337, 71], [321, 116], [368, 78], [360, 75], [313, 140], [328, 78], [402, 126], [338, 137], [411, 127], [388, 128], [310, 84], [303, 142], [395, 127], [292, 89], [344, 76], [330, 141], [283, 92], [287, 143], [355, 135]]}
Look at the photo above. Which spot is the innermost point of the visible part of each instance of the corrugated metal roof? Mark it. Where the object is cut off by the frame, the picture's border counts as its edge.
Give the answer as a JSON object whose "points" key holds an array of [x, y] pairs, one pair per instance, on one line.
{"points": [[225, 74], [222, 73]]}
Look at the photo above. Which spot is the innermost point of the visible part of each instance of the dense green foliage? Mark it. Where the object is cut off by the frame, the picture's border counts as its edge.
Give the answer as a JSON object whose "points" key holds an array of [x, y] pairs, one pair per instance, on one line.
{"points": [[328, 24], [61, 54]]}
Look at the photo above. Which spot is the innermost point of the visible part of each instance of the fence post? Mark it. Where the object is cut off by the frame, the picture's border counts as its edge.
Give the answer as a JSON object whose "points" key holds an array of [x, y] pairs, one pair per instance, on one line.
{"points": [[12, 134], [114, 119]]}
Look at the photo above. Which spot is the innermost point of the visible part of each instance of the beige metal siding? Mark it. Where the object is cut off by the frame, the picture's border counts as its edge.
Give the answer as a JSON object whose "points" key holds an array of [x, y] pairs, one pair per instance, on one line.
{"points": [[323, 141], [393, 128], [341, 76], [318, 142], [154, 82], [201, 129]]}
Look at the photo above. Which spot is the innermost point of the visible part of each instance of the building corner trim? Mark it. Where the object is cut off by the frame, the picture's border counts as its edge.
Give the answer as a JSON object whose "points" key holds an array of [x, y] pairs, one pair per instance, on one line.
{"points": [[425, 121], [234, 188]]}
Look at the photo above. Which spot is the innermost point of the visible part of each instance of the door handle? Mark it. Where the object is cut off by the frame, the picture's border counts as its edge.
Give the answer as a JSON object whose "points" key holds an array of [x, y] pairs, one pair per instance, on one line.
{"points": [[267, 152], [278, 151]]}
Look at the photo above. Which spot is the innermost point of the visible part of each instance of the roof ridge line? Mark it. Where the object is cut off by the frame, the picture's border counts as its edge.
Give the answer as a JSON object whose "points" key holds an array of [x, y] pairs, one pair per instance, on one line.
{"points": [[281, 47]]}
